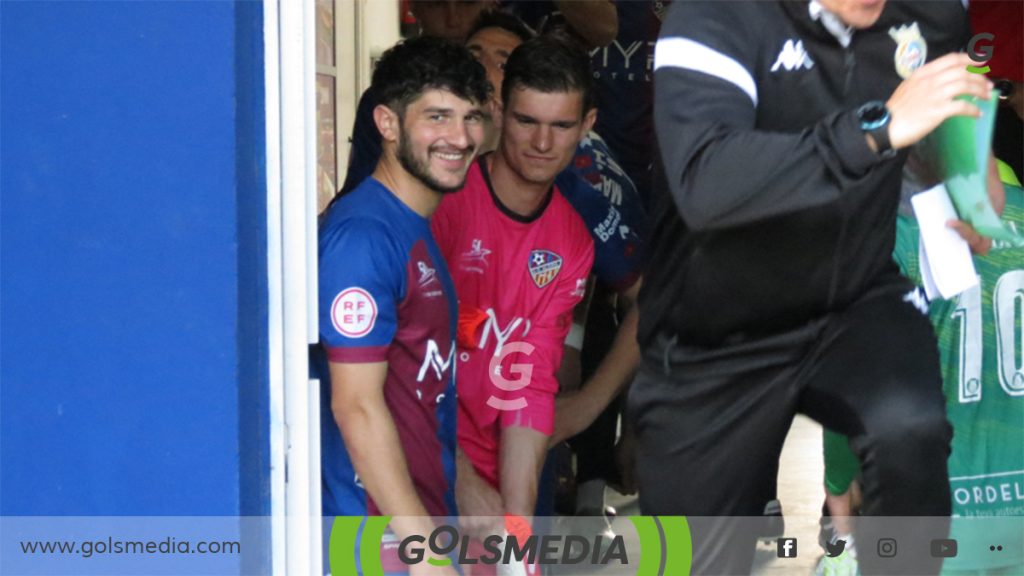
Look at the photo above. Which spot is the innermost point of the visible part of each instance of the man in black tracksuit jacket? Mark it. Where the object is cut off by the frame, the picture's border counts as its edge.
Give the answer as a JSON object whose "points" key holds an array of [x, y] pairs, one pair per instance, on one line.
{"points": [[771, 290]]}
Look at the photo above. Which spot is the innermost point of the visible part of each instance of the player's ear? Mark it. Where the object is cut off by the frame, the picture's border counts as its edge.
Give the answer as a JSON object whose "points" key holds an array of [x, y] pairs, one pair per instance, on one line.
{"points": [[388, 122], [588, 122]]}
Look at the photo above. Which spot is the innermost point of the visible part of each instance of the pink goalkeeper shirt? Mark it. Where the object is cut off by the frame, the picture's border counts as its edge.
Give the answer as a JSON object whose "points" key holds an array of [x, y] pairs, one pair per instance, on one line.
{"points": [[517, 280]]}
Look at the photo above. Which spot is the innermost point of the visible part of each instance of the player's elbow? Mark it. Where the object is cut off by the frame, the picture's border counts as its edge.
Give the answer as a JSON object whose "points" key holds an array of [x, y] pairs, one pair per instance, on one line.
{"points": [[697, 196], [351, 414]]}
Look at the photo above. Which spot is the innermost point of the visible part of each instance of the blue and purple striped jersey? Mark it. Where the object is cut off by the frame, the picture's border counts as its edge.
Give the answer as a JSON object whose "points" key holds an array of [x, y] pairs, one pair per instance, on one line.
{"points": [[385, 295]]}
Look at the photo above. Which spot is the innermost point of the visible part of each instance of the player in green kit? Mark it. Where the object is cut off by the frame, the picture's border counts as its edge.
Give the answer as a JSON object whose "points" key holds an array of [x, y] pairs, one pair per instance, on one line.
{"points": [[981, 345]]}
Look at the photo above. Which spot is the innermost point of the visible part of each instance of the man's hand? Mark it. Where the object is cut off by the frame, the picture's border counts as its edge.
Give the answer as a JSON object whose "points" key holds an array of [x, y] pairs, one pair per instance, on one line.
{"points": [[979, 244], [480, 505], [921, 102]]}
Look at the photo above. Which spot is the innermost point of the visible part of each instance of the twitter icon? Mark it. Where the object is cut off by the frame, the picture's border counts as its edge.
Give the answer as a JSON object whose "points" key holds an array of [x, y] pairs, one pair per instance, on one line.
{"points": [[833, 549]]}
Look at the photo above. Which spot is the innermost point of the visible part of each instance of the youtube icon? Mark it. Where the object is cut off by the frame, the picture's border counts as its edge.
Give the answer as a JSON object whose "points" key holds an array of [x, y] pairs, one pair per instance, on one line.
{"points": [[943, 548]]}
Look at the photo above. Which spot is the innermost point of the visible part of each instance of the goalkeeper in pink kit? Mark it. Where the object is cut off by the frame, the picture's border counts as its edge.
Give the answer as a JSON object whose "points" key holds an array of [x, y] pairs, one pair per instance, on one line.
{"points": [[520, 256]]}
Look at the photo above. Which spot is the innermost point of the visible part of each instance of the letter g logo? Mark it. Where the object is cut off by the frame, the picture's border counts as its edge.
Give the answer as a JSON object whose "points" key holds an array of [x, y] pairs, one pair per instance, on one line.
{"points": [[523, 371], [980, 54]]}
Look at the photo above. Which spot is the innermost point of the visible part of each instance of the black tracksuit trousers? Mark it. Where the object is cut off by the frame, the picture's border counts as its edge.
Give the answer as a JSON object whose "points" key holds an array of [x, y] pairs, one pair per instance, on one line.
{"points": [[710, 425]]}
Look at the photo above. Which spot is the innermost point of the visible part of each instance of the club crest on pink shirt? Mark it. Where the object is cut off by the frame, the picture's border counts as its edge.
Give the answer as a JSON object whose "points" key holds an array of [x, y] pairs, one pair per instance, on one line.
{"points": [[544, 266]]}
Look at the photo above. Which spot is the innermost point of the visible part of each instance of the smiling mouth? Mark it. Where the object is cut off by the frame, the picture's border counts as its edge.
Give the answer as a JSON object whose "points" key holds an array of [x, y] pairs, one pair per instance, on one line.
{"points": [[451, 156]]}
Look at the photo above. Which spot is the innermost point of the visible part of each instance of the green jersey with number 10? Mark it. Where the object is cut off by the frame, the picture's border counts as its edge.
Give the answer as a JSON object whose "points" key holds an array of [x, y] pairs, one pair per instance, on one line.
{"points": [[981, 345]]}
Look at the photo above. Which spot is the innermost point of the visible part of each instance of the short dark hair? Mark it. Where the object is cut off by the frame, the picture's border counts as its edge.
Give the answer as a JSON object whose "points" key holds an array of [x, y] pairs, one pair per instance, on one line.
{"points": [[503, 20], [416, 65], [550, 63]]}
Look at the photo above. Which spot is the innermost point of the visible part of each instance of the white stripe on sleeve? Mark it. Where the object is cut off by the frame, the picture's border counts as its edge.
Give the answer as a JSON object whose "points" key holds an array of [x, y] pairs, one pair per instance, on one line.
{"points": [[691, 55]]}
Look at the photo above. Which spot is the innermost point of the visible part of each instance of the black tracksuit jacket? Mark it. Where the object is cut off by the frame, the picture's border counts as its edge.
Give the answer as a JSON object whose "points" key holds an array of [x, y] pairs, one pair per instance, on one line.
{"points": [[773, 210]]}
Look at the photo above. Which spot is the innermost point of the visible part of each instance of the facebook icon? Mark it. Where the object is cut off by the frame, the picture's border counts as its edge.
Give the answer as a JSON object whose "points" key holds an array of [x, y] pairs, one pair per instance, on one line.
{"points": [[787, 547]]}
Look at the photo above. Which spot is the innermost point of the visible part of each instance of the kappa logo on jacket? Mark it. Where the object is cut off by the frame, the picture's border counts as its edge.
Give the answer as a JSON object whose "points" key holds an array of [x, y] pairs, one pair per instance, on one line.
{"points": [[793, 57], [918, 299]]}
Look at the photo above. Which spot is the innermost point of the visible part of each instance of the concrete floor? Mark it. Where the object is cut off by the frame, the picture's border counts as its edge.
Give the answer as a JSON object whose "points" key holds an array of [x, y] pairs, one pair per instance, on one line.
{"points": [[801, 493]]}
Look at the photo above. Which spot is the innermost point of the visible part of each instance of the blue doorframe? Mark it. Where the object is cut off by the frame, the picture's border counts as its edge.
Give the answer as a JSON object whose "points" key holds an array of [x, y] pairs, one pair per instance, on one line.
{"points": [[133, 287]]}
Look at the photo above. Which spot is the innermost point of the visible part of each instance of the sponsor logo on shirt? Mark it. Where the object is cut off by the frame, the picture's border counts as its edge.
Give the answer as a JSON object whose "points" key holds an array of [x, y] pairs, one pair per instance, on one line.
{"points": [[427, 274], [353, 312], [518, 374], [432, 358], [475, 260], [624, 61], [544, 266], [492, 327], [600, 170], [911, 49], [793, 57], [610, 226]]}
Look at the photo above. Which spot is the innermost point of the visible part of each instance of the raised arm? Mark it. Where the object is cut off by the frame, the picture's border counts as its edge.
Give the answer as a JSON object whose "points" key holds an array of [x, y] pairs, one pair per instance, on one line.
{"points": [[721, 171]]}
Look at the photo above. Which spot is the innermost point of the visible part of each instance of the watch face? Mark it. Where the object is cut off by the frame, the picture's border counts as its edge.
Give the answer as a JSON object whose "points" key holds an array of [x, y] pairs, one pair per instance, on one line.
{"points": [[1005, 88], [872, 113]]}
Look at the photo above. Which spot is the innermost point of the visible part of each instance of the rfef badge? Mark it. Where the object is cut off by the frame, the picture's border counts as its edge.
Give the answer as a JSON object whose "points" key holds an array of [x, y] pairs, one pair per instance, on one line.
{"points": [[544, 266], [354, 312], [911, 49]]}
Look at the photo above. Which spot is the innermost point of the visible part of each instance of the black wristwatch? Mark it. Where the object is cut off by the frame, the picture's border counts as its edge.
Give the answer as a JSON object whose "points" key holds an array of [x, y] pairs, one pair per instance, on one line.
{"points": [[874, 121], [1005, 88]]}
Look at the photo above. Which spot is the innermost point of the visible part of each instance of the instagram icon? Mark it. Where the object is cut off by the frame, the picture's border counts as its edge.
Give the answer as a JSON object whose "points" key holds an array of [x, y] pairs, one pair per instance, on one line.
{"points": [[886, 547]]}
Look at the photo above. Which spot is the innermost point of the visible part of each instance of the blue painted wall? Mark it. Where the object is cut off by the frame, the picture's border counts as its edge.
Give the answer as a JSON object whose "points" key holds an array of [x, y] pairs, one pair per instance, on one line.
{"points": [[133, 369]]}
